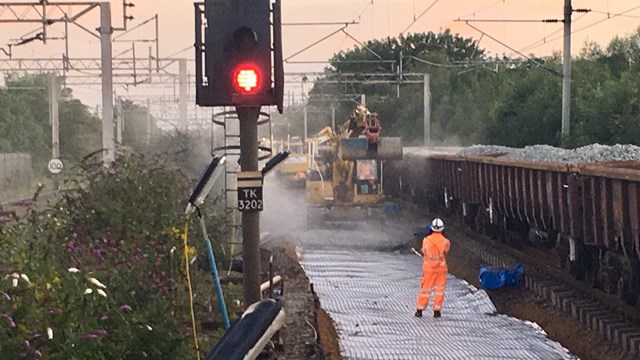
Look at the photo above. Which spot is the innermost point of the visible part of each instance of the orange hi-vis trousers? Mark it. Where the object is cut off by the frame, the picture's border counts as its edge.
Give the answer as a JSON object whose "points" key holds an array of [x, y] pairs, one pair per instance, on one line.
{"points": [[432, 281]]}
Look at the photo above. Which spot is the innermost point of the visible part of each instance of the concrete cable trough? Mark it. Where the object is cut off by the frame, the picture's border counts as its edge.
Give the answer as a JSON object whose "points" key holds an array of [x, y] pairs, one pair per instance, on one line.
{"points": [[371, 297]]}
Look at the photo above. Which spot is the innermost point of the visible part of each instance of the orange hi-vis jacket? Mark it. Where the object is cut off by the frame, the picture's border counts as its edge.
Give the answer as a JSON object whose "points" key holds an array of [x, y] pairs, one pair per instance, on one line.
{"points": [[434, 251]]}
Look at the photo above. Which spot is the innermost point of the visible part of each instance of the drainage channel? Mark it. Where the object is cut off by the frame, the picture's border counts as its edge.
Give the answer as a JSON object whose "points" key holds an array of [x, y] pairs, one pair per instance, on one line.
{"points": [[621, 330]]}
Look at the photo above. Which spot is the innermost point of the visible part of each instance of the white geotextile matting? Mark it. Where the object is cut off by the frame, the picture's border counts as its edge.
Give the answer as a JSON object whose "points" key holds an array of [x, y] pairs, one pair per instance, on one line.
{"points": [[371, 297]]}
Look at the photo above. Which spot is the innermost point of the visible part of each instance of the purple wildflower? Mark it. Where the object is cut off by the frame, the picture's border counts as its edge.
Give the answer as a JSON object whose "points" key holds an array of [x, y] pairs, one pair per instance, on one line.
{"points": [[90, 336], [26, 343], [104, 318], [100, 332], [6, 296], [125, 307], [10, 323]]}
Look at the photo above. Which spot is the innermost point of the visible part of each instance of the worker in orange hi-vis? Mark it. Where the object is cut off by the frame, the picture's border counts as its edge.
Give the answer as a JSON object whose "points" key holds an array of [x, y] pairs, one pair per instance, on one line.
{"points": [[434, 269]]}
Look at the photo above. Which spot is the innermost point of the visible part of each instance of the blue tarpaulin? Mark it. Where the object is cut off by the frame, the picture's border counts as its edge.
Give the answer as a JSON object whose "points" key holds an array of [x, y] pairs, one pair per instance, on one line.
{"points": [[493, 278]]}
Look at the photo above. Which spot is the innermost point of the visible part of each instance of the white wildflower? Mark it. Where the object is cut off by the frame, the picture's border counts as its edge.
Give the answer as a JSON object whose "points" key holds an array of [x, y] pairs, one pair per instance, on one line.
{"points": [[49, 333], [88, 291], [102, 293], [14, 278], [97, 283], [73, 270], [25, 278], [149, 328]]}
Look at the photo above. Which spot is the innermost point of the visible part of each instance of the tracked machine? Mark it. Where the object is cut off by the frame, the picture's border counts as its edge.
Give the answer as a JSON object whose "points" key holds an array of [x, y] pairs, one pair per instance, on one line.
{"points": [[344, 177], [293, 171]]}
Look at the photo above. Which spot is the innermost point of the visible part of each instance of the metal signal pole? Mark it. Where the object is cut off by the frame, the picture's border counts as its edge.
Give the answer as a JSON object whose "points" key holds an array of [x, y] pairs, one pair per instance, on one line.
{"points": [[248, 117], [54, 98], [106, 58], [426, 109], [566, 70], [40, 12]]}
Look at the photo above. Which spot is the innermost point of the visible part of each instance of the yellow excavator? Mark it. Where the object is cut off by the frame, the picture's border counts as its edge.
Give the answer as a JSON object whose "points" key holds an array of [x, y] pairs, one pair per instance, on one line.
{"points": [[345, 170], [293, 171]]}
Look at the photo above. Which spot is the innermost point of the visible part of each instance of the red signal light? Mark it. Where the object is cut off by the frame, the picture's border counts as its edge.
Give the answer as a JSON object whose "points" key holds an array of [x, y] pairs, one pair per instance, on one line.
{"points": [[246, 78]]}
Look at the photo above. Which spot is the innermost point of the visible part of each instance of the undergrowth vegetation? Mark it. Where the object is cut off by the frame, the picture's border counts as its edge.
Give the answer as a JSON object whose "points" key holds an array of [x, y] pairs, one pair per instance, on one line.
{"points": [[100, 275]]}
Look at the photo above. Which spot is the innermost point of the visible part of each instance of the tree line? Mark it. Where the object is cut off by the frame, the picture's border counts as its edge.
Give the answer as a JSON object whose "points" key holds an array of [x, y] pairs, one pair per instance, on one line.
{"points": [[25, 126], [480, 99]]}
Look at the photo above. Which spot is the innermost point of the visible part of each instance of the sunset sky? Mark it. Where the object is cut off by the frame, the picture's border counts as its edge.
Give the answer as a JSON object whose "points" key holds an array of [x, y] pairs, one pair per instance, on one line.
{"points": [[377, 19]]}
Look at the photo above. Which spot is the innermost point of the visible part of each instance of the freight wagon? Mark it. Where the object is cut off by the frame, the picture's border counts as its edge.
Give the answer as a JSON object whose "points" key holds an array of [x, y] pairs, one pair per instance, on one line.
{"points": [[583, 218]]}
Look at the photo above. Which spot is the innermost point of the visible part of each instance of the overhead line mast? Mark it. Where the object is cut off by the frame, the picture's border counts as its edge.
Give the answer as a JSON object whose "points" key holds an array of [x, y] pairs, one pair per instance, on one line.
{"points": [[566, 57]]}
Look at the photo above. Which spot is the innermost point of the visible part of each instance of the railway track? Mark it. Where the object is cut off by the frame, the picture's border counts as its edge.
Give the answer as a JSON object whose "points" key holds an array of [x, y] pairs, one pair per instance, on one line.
{"points": [[618, 322], [14, 209], [574, 228]]}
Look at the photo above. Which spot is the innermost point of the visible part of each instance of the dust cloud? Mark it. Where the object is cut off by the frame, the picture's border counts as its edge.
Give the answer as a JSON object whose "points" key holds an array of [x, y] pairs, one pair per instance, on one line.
{"points": [[285, 217], [187, 151], [284, 208]]}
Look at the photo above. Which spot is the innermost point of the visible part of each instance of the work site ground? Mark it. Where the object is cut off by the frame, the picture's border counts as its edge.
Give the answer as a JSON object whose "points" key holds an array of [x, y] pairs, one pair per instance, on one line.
{"points": [[357, 297]]}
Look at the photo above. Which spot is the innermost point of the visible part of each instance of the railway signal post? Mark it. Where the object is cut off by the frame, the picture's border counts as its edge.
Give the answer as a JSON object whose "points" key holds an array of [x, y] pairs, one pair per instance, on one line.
{"points": [[239, 63]]}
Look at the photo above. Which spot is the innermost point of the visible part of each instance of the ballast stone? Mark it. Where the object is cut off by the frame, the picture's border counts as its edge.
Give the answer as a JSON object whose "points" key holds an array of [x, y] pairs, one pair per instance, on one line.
{"points": [[546, 153]]}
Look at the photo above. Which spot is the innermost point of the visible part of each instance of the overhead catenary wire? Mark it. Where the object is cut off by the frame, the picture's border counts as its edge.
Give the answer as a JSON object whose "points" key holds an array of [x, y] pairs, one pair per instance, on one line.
{"points": [[516, 51], [415, 19], [481, 10], [363, 11], [461, 65], [546, 39], [609, 17], [315, 43], [361, 44]]}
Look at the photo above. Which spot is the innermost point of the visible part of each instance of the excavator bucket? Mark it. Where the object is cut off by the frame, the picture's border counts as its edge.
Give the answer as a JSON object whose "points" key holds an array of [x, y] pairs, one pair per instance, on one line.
{"points": [[389, 148]]}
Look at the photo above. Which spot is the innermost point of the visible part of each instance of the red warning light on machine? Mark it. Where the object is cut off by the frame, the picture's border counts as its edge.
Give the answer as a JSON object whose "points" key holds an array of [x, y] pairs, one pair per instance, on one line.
{"points": [[246, 78]]}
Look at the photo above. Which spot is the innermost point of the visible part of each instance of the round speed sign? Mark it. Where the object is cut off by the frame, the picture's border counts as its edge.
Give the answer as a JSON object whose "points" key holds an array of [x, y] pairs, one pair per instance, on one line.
{"points": [[55, 166]]}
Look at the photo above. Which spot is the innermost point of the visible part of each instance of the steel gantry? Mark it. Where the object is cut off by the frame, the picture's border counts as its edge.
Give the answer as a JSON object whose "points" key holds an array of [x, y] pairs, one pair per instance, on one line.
{"points": [[398, 79], [46, 14]]}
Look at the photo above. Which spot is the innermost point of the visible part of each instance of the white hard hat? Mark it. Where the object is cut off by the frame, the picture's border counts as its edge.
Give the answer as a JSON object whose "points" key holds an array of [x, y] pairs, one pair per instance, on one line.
{"points": [[437, 225]]}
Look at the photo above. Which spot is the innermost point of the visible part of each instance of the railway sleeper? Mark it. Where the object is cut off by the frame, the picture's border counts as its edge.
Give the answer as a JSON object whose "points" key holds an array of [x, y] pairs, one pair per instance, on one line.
{"points": [[604, 324], [631, 341], [608, 270], [619, 275], [558, 294], [610, 325], [591, 314]]}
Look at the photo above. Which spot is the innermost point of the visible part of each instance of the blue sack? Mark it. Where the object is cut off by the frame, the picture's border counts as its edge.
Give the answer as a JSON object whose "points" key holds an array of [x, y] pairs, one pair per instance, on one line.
{"points": [[492, 278]]}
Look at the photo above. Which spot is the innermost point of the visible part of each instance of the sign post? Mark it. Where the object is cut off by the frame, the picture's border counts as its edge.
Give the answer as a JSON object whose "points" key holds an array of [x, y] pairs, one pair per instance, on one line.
{"points": [[250, 191], [55, 166]]}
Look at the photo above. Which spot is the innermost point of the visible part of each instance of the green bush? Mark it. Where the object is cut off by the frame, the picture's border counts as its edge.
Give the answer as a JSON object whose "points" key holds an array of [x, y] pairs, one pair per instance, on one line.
{"points": [[101, 274]]}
